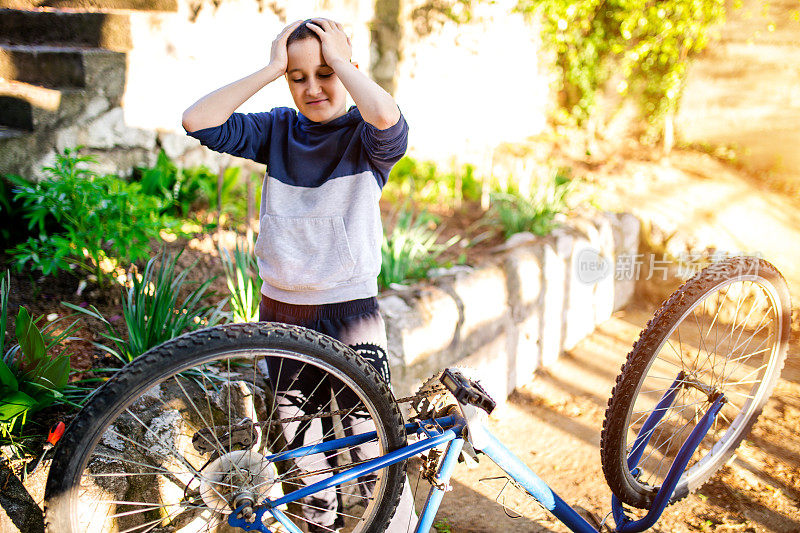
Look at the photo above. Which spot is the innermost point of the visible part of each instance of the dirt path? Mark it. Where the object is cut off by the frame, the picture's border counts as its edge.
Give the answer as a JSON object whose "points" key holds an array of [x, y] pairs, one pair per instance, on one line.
{"points": [[554, 422]]}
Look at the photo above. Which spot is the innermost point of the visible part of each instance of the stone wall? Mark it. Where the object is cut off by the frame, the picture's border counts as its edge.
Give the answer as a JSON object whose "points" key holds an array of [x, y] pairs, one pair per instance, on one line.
{"points": [[536, 298], [117, 82], [467, 88]]}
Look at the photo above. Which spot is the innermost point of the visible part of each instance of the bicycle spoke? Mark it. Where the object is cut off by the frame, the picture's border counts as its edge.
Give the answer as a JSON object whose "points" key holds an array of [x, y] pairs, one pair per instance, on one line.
{"points": [[220, 449], [307, 521]]}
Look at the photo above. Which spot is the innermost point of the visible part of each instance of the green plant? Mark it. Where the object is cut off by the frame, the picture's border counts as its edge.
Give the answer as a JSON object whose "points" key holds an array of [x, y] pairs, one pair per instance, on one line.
{"points": [[10, 210], [443, 526], [244, 283], [514, 211], [410, 249], [103, 222], [178, 189], [30, 377], [425, 184], [232, 194], [153, 311]]}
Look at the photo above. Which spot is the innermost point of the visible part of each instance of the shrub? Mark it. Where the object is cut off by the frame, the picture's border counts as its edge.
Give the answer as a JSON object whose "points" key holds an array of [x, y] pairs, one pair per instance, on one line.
{"points": [[244, 283], [233, 192], [183, 191], [514, 211], [101, 221], [153, 311], [410, 249]]}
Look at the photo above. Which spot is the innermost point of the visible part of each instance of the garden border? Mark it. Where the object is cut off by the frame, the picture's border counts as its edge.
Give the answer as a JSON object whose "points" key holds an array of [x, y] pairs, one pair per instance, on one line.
{"points": [[537, 297]]}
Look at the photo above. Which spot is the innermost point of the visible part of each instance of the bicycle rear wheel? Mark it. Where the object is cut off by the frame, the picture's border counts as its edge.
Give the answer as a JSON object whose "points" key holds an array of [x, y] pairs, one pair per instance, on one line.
{"points": [[727, 330], [184, 434]]}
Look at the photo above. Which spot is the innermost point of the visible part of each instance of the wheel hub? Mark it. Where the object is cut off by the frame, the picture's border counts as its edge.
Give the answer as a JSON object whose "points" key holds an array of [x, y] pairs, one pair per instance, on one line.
{"points": [[241, 477]]}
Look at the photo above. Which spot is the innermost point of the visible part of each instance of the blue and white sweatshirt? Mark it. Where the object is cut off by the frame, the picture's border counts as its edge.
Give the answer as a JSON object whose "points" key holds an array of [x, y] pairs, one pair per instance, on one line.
{"points": [[320, 231]]}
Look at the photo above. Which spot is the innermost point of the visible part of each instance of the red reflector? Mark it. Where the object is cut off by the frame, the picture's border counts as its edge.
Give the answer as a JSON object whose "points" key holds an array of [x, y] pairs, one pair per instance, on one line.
{"points": [[55, 433]]}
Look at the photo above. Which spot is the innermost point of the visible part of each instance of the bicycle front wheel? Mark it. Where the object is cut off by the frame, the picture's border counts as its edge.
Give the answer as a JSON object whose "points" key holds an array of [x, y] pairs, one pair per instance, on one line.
{"points": [[725, 331], [201, 426]]}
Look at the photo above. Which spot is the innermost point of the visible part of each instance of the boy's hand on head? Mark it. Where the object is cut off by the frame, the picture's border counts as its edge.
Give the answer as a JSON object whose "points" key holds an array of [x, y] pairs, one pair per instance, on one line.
{"points": [[336, 44], [279, 57]]}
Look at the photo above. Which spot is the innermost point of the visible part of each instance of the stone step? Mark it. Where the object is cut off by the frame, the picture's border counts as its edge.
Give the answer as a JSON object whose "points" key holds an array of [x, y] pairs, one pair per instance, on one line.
{"points": [[110, 31], [10, 133], [27, 107], [94, 5], [98, 71]]}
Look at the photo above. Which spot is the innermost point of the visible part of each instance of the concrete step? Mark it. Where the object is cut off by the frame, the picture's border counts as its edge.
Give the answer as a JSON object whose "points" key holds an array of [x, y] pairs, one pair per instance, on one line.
{"points": [[94, 5], [10, 133], [27, 107], [110, 31], [98, 71]]}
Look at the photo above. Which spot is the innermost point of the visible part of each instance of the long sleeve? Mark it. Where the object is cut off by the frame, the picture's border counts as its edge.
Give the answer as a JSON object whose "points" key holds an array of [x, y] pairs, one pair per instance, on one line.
{"points": [[385, 147], [242, 135]]}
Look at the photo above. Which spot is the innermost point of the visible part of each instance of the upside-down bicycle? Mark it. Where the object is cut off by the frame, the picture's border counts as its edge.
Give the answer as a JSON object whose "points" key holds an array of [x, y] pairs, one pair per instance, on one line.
{"points": [[191, 436]]}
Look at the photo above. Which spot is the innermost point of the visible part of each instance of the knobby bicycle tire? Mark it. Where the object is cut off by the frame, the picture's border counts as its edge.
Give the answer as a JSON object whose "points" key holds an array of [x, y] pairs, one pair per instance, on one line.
{"points": [[133, 452], [743, 359]]}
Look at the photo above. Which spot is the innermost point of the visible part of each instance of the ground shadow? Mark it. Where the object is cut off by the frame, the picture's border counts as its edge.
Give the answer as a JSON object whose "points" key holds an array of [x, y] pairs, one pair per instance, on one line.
{"points": [[534, 406], [17, 504], [726, 497], [464, 510]]}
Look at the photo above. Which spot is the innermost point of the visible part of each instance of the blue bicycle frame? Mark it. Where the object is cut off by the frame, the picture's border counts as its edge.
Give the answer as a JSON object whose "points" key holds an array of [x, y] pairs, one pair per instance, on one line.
{"points": [[450, 430]]}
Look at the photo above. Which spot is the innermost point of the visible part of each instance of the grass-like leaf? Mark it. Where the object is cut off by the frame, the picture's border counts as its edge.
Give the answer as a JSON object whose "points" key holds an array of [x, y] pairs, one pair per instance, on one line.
{"points": [[515, 211], [155, 310], [411, 248], [244, 283]]}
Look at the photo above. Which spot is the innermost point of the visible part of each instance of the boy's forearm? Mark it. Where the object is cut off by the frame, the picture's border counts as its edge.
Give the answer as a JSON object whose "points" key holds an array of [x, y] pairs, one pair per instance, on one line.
{"points": [[215, 108], [375, 105]]}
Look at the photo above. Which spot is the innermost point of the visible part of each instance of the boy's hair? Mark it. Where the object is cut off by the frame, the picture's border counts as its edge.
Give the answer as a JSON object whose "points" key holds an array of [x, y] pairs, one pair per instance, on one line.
{"points": [[301, 32]]}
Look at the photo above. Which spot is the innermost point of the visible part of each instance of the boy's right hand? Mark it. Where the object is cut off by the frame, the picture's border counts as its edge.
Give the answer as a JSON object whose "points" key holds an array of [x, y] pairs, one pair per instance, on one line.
{"points": [[278, 58]]}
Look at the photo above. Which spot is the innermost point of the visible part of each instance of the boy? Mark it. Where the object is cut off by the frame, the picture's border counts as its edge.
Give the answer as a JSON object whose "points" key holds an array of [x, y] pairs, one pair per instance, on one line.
{"points": [[318, 248]]}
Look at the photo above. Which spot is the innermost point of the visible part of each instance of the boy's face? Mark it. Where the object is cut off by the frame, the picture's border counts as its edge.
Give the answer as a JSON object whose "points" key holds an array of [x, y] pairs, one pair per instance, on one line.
{"points": [[316, 89]]}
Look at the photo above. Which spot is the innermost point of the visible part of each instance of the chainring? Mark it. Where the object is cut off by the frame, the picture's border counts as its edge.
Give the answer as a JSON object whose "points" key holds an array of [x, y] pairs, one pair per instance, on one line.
{"points": [[434, 400]]}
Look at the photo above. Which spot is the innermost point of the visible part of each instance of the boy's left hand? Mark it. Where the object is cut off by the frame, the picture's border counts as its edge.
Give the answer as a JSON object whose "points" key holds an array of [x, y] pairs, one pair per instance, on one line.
{"points": [[335, 43]]}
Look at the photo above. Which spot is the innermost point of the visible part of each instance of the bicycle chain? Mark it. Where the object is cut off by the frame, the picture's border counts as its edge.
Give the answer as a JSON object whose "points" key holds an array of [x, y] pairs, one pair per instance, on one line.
{"points": [[243, 434], [418, 397]]}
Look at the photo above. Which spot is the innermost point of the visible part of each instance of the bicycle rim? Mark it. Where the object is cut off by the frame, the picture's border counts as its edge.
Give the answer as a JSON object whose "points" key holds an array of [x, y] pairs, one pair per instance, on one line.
{"points": [[733, 351], [186, 446]]}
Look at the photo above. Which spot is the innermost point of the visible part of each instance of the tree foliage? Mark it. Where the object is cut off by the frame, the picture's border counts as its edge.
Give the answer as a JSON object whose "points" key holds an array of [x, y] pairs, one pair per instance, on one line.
{"points": [[643, 45]]}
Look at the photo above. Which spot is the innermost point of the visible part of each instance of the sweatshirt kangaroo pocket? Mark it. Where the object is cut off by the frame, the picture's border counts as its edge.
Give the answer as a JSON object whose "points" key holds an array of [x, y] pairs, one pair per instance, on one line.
{"points": [[299, 253]]}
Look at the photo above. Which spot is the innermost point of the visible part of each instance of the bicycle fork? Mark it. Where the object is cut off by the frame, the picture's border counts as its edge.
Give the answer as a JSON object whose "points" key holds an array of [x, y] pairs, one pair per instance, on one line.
{"points": [[684, 455]]}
